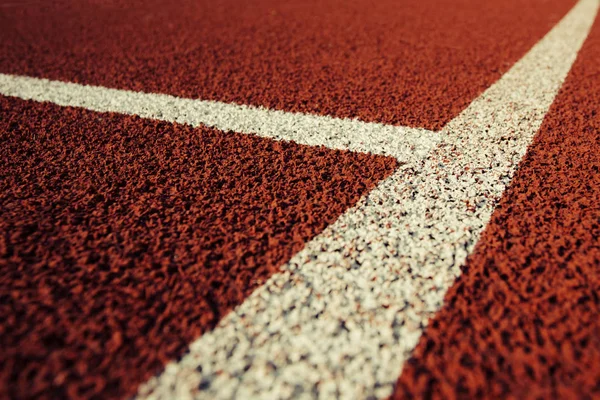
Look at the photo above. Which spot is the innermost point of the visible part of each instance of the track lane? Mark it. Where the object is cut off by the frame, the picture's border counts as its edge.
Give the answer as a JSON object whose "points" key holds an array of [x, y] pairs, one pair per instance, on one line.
{"points": [[123, 239], [534, 114]]}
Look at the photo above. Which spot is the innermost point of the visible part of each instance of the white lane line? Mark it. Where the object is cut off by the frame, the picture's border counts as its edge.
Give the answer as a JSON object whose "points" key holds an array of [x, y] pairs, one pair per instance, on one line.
{"points": [[401, 142], [347, 310]]}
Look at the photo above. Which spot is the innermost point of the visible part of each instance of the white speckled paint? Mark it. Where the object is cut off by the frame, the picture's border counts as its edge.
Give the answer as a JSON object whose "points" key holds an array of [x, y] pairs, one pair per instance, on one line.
{"points": [[400, 142]]}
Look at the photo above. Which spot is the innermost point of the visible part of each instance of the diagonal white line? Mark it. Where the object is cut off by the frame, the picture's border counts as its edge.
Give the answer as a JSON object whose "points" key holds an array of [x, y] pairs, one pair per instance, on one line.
{"points": [[347, 310], [401, 142]]}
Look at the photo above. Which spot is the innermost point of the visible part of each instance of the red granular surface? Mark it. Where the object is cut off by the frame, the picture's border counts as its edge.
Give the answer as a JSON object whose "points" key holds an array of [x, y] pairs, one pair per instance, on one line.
{"points": [[123, 239], [523, 320], [410, 62]]}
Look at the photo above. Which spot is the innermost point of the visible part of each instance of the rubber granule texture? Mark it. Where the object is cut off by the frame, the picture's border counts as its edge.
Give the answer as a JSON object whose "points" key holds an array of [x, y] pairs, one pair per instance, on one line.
{"points": [[523, 320], [123, 239], [412, 62]]}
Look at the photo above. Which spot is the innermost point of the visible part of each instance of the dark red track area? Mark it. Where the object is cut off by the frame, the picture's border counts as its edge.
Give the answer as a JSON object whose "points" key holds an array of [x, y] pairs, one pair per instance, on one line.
{"points": [[523, 321], [123, 239], [412, 62]]}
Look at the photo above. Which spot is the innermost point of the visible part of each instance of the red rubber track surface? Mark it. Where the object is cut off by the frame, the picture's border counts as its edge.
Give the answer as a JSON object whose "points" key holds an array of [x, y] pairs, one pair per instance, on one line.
{"points": [[523, 321], [123, 239], [412, 62]]}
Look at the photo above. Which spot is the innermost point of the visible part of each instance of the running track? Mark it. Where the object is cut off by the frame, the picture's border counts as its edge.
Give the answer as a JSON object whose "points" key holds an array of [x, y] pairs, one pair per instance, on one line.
{"points": [[208, 199]]}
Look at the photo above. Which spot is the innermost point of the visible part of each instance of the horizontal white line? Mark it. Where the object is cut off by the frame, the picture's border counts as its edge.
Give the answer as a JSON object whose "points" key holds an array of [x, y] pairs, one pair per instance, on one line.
{"points": [[400, 142], [347, 310]]}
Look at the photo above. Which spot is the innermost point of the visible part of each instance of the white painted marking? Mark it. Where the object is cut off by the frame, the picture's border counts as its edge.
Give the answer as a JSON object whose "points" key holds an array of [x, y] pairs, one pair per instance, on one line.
{"points": [[346, 311], [397, 141]]}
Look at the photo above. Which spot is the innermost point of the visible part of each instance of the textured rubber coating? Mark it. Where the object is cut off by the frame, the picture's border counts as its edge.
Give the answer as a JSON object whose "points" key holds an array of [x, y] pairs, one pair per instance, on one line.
{"points": [[123, 239], [523, 320], [414, 63]]}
